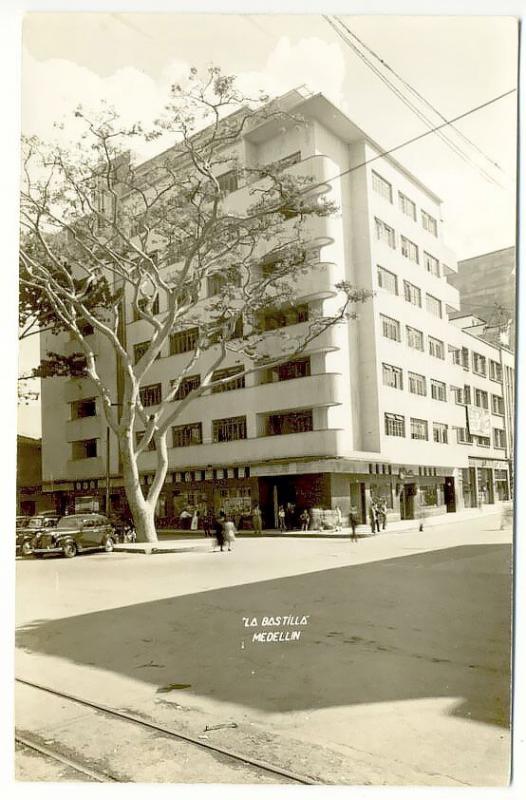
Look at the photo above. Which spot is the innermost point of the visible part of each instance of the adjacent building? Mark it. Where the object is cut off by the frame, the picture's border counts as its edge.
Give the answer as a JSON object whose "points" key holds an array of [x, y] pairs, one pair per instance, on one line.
{"points": [[402, 403], [29, 496]]}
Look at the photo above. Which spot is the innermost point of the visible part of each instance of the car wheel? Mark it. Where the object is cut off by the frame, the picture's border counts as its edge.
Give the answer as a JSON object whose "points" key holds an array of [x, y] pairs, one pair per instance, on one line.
{"points": [[108, 545], [26, 549], [70, 549]]}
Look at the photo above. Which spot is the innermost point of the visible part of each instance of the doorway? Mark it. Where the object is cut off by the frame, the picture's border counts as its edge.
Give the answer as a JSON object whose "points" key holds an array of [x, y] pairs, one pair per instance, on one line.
{"points": [[357, 498], [407, 501], [449, 495]]}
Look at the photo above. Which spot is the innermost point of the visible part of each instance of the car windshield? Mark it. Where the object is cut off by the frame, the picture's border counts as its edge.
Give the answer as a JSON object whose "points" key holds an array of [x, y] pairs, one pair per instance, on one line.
{"points": [[22, 522], [38, 522]]}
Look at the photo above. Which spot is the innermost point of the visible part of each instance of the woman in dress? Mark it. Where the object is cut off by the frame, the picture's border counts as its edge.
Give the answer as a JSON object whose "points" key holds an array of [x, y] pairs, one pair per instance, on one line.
{"points": [[229, 533]]}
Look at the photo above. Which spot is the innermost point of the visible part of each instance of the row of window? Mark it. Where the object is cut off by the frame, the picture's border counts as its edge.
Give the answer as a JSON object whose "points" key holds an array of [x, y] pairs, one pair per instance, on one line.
{"points": [[395, 426], [412, 294], [385, 233], [499, 438], [235, 428], [466, 396], [391, 329], [406, 205], [480, 365], [417, 384]]}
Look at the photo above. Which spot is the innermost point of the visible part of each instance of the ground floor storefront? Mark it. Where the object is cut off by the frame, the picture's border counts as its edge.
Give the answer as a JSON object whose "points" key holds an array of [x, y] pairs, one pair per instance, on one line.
{"points": [[320, 487]]}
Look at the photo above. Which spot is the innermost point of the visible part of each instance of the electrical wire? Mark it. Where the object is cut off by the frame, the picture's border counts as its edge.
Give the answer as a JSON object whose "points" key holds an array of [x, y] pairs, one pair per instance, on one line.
{"points": [[398, 93], [417, 94]]}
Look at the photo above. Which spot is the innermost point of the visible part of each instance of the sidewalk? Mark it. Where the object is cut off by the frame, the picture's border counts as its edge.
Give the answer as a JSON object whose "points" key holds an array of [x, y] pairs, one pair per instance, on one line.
{"points": [[182, 541]]}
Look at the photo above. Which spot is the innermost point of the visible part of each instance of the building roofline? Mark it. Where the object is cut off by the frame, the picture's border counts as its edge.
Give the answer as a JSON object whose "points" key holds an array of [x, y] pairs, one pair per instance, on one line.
{"points": [[489, 253]]}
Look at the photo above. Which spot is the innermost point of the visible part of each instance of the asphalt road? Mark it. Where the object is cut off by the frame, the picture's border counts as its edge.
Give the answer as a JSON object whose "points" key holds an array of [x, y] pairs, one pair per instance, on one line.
{"points": [[400, 673]]}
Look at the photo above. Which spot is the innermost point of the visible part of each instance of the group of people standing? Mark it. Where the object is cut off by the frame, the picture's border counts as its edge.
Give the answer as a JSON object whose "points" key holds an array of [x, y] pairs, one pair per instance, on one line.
{"points": [[377, 515]]}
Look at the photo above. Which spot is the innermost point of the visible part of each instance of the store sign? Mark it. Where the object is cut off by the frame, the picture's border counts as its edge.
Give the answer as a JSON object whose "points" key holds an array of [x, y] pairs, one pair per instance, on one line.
{"points": [[478, 421]]}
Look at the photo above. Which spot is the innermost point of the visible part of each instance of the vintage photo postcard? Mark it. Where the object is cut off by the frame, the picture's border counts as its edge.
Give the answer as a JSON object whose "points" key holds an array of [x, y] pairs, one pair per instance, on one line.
{"points": [[266, 399]]}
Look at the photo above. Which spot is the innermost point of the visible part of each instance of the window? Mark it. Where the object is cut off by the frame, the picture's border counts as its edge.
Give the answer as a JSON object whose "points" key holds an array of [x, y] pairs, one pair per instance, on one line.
{"points": [[429, 223], [459, 395], [415, 338], [220, 280], [84, 408], [463, 436], [467, 395], [409, 249], [186, 386], [495, 371], [436, 348], [183, 341], [291, 422], [482, 441], [431, 264], [497, 404], [382, 187], [138, 436], [463, 396], [142, 303], [433, 305], [299, 368], [418, 428], [282, 318], [440, 432], [438, 390], [187, 435], [499, 438], [384, 233], [150, 395], [236, 383], [455, 355], [465, 359], [229, 429], [417, 383], [139, 350], [392, 376], [390, 328], [481, 398], [412, 294], [407, 206], [479, 364], [227, 182], [86, 448], [429, 494], [387, 280], [394, 425]]}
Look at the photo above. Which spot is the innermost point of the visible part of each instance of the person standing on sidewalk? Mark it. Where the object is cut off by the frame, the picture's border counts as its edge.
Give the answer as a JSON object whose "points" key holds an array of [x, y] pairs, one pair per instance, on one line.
{"points": [[304, 519], [219, 527], [373, 517], [229, 530], [382, 514], [353, 521], [338, 513], [256, 520], [281, 519]]}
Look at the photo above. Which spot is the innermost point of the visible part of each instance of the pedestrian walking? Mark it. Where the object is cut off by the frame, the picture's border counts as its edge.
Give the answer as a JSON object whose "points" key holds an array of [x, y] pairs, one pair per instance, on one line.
{"points": [[229, 532], [338, 513], [281, 519], [304, 519], [219, 528], [256, 520], [194, 524], [373, 517], [353, 520], [185, 518]]}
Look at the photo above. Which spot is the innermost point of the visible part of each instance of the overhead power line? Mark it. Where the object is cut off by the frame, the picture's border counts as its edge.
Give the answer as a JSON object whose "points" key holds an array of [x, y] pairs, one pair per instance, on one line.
{"points": [[417, 94], [413, 139], [404, 99]]}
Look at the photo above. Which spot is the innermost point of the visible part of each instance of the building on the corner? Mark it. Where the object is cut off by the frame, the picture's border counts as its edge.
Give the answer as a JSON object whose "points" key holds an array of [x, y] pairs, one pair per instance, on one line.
{"points": [[401, 404]]}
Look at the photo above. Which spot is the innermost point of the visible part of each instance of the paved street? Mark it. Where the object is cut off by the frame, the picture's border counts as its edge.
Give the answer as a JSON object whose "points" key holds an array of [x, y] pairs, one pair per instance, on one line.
{"points": [[400, 673]]}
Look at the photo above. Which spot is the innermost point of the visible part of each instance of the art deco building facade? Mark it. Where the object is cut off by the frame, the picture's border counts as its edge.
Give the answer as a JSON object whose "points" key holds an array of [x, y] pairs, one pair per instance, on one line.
{"points": [[400, 403]]}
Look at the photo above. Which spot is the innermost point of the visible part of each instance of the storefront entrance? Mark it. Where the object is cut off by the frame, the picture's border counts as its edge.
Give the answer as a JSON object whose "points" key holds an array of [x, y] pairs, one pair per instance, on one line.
{"points": [[407, 501], [449, 495]]}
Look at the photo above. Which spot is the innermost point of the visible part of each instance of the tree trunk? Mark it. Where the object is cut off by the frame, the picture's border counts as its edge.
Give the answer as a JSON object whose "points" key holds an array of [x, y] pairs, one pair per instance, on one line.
{"points": [[142, 511]]}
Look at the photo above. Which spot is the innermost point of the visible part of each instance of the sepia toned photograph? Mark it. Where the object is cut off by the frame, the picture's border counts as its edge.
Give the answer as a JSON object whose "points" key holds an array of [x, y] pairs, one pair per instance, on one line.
{"points": [[267, 337]]}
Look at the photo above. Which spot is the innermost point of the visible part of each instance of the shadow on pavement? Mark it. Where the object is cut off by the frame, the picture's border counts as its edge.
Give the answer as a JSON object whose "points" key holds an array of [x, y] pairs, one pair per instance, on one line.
{"points": [[426, 625]]}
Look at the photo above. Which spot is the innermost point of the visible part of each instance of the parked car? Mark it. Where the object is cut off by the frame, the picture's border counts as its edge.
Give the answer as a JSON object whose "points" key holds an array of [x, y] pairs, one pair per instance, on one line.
{"points": [[74, 534], [29, 527]]}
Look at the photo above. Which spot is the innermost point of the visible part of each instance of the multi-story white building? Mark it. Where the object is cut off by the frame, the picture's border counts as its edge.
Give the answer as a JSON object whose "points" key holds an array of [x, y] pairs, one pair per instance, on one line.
{"points": [[400, 403]]}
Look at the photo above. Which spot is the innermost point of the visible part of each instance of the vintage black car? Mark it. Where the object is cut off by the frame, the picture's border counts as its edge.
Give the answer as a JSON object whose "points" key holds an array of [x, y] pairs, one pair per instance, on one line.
{"points": [[28, 528], [75, 534]]}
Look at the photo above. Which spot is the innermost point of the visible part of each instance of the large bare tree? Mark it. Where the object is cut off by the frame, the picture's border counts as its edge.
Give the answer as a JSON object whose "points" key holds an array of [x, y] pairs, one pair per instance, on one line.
{"points": [[100, 234]]}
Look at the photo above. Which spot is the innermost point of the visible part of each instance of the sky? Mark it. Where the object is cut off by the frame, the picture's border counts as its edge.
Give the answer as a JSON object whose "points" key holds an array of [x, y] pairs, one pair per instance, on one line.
{"points": [[456, 63]]}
